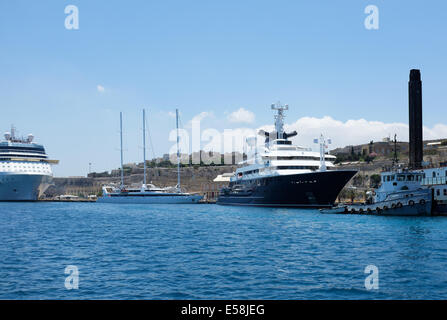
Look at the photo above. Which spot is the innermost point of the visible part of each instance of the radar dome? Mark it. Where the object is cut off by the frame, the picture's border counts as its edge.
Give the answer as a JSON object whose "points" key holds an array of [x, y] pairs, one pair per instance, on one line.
{"points": [[7, 135]]}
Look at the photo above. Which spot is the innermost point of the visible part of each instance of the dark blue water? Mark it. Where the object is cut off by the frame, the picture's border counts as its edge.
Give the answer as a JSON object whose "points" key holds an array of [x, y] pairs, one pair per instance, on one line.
{"points": [[214, 252]]}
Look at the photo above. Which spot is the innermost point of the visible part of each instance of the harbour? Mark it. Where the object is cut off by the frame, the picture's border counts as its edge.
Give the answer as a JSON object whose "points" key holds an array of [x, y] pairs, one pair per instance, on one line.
{"points": [[223, 159], [276, 173], [196, 252]]}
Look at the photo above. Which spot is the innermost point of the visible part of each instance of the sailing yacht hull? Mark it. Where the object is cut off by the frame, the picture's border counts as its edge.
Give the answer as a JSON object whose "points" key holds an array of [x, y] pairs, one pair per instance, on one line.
{"points": [[151, 199]]}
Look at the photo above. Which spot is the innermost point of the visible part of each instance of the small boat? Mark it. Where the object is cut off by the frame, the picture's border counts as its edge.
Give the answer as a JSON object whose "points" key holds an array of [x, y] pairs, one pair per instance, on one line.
{"points": [[148, 193]]}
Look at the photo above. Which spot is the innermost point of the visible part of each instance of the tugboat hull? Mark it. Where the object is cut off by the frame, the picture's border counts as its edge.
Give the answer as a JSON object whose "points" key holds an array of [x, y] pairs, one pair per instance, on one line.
{"points": [[404, 203], [307, 190]]}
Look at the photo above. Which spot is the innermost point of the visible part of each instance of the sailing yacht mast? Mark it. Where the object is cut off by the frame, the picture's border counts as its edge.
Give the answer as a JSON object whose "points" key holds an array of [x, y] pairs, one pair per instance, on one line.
{"points": [[178, 151], [144, 148], [121, 149]]}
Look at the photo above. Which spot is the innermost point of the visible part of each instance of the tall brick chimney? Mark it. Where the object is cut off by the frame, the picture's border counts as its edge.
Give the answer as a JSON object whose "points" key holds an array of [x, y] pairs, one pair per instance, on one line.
{"points": [[415, 118]]}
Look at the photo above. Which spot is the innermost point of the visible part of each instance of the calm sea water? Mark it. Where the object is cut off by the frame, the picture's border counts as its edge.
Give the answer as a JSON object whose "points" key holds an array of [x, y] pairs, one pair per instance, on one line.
{"points": [[215, 252]]}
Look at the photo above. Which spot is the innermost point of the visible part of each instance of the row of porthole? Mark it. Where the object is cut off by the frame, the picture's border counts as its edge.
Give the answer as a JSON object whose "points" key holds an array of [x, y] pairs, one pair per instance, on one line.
{"points": [[24, 167]]}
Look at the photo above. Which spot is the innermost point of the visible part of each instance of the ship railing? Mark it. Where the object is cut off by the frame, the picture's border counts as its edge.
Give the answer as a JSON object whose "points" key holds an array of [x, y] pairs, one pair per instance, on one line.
{"points": [[434, 181]]}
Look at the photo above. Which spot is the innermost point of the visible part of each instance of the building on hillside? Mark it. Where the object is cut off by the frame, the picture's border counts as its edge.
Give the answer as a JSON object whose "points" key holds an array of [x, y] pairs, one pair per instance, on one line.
{"points": [[384, 148], [439, 144]]}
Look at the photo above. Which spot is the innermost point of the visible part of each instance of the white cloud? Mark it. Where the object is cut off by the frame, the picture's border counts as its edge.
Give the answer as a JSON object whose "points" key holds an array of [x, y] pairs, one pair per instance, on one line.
{"points": [[100, 88], [350, 132], [353, 132], [242, 115], [198, 118], [202, 115]]}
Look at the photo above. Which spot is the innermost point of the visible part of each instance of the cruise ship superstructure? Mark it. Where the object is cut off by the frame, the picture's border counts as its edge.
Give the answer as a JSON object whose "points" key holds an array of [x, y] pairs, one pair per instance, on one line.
{"points": [[25, 170], [282, 174]]}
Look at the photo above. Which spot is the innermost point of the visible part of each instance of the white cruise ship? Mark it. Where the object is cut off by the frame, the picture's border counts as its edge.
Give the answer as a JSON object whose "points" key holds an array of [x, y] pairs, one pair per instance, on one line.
{"points": [[25, 170], [282, 174]]}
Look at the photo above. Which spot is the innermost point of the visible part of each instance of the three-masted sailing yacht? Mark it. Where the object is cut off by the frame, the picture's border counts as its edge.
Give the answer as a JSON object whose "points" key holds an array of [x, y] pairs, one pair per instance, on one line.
{"points": [[148, 193]]}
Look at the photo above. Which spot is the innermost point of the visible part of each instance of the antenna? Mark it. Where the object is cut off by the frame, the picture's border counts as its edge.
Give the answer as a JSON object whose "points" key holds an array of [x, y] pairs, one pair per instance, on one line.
{"points": [[121, 141], [395, 159], [178, 151], [323, 147], [144, 148], [279, 118]]}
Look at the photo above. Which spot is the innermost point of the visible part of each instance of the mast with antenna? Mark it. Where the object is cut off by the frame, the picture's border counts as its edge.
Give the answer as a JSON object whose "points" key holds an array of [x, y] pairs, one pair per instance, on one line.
{"points": [[178, 151], [395, 159], [323, 145], [279, 118], [121, 149], [144, 148]]}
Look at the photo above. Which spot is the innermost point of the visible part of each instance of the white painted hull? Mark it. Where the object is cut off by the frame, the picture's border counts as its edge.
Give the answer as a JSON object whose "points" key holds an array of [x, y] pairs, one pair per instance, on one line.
{"points": [[165, 199], [22, 187]]}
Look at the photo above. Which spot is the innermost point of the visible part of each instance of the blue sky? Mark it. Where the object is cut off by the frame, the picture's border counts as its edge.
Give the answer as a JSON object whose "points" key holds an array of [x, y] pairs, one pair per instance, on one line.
{"points": [[208, 56]]}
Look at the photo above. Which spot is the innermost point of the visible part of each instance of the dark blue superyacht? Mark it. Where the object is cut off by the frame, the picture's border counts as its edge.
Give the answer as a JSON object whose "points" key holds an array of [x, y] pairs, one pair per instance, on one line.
{"points": [[280, 174]]}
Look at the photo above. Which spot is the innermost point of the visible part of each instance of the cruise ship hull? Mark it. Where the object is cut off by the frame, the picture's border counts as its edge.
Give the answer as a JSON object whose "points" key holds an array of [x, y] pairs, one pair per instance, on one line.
{"points": [[22, 187], [307, 190]]}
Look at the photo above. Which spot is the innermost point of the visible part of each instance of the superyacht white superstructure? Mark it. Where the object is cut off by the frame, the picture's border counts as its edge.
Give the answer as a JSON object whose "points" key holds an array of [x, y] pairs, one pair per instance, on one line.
{"points": [[25, 170]]}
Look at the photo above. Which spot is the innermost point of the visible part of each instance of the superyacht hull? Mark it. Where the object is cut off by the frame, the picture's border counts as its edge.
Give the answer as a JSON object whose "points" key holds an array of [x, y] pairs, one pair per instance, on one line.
{"points": [[306, 190], [22, 187]]}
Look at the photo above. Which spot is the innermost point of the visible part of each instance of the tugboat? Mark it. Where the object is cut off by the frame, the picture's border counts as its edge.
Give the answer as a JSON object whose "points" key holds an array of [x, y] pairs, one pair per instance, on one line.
{"points": [[281, 174], [147, 194], [400, 194]]}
